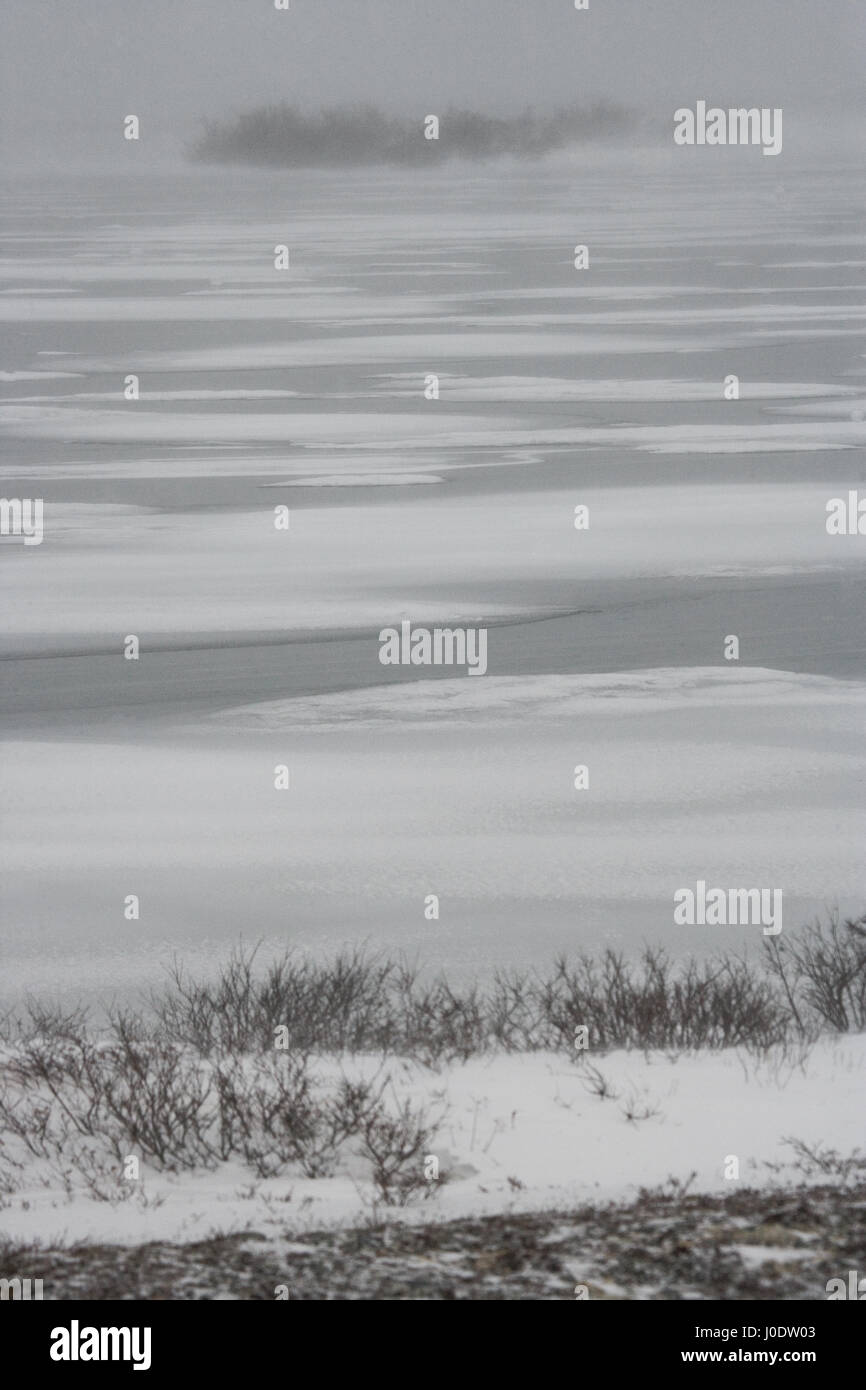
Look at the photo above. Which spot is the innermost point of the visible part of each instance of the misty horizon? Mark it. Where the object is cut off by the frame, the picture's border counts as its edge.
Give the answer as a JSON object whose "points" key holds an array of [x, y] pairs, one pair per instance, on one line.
{"points": [[68, 78]]}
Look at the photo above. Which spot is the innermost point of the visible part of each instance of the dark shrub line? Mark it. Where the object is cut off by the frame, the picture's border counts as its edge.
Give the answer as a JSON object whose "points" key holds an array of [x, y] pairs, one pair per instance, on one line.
{"points": [[358, 1002], [282, 136]]}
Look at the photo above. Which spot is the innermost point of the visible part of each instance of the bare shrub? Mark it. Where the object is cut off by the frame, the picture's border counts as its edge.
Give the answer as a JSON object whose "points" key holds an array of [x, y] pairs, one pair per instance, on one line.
{"points": [[84, 1106], [658, 1004], [816, 1158], [342, 1005], [638, 1108], [156, 1099], [435, 1023], [597, 1083], [516, 1012], [395, 1143], [41, 1020], [673, 1188], [357, 1003], [273, 1114], [822, 973]]}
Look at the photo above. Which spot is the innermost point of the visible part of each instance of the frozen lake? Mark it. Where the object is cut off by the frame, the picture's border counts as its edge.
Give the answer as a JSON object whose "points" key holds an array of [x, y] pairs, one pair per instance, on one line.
{"points": [[305, 388]]}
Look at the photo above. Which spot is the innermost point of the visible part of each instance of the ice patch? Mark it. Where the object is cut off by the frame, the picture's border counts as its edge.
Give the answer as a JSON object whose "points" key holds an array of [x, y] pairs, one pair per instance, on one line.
{"points": [[504, 700], [427, 349], [537, 388], [38, 376], [392, 479]]}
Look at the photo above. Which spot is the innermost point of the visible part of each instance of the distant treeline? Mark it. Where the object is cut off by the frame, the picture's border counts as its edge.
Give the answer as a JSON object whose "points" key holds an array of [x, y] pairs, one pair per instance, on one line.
{"points": [[283, 136]]}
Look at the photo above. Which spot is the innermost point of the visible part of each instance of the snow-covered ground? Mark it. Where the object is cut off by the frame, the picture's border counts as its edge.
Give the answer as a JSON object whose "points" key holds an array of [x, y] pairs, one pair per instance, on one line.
{"points": [[517, 1133]]}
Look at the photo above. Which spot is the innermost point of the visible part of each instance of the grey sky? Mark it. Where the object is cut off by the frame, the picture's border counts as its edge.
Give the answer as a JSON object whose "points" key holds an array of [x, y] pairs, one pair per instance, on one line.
{"points": [[69, 72]]}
